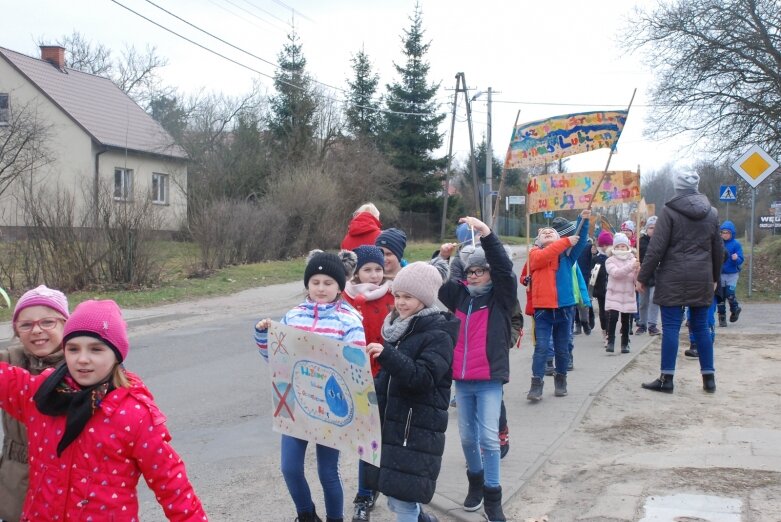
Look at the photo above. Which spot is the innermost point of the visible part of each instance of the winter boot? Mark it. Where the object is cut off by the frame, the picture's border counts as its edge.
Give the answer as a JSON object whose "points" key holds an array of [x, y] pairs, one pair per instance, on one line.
{"points": [[625, 347], [329, 519], [709, 382], [653, 330], [493, 504], [723, 320], [426, 517], [361, 509], [663, 384], [549, 368], [474, 498], [692, 351], [610, 346], [560, 386], [309, 516], [735, 314], [535, 392]]}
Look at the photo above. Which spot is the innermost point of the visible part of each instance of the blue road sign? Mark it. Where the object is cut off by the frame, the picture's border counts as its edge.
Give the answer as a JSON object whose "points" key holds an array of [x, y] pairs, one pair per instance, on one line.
{"points": [[547, 214], [728, 192]]}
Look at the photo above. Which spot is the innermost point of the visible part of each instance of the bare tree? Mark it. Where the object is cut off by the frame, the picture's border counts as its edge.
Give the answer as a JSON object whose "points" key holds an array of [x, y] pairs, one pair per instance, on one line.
{"points": [[22, 144], [718, 67]]}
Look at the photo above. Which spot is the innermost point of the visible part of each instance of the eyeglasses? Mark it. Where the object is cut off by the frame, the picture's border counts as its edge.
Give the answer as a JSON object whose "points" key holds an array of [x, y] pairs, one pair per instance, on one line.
{"points": [[47, 323], [726, 232], [476, 272]]}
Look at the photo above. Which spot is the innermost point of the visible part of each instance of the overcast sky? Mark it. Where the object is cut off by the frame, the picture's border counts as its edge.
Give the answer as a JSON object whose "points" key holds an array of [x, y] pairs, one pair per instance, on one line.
{"points": [[542, 58]]}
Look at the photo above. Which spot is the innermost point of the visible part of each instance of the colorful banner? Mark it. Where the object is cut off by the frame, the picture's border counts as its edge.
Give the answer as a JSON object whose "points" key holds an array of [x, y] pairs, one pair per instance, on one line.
{"points": [[574, 190], [548, 140], [323, 392]]}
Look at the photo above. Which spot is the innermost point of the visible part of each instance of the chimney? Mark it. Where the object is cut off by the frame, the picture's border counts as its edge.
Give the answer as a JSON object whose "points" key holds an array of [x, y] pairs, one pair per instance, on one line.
{"points": [[54, 54]]}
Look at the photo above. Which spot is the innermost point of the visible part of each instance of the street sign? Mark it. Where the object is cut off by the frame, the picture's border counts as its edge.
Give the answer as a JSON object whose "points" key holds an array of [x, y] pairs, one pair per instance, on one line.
{"points": [[775, 204], [547, 214], [769, 222], [516, 200], [755, 165], [728, 193]]}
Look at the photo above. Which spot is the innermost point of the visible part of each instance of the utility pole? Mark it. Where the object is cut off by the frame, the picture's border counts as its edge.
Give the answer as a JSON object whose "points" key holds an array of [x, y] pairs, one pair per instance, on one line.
{"points": [[489, 164]]}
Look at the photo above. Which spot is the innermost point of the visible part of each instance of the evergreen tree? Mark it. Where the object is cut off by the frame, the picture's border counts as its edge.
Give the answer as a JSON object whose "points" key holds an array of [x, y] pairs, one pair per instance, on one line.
{"points": [[363, 116], [411, 130], [294, 106]]}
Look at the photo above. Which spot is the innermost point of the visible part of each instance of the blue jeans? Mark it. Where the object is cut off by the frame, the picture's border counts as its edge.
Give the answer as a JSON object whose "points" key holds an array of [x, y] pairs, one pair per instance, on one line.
{"points": [[293, 453], [363, 491], [711, 322], [555, 322], [479, 407], [672, 316], [405, 511]]}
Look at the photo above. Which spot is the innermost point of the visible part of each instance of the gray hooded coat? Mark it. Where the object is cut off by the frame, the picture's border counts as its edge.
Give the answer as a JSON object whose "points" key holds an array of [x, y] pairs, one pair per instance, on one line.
{"points": [[685, 252]]}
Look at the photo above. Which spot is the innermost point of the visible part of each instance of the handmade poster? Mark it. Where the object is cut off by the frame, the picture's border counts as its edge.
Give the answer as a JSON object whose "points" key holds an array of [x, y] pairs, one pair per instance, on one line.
{"points": [[548, 140], [574, 190], [323, 392]]}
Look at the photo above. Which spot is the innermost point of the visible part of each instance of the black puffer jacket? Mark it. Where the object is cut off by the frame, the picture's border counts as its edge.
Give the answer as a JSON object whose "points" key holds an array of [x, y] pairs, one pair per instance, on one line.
{"points": [[413, 392], [642, 247], [685, 252]]}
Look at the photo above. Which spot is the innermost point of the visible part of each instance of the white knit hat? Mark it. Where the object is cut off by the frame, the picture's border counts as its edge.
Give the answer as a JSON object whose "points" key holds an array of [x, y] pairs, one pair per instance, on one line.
{"points": [[621, 239], [421, 280]]}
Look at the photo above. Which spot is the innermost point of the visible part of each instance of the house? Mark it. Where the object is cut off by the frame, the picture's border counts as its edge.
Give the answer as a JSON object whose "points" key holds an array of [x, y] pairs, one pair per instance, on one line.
{"points": [[95, 140]]}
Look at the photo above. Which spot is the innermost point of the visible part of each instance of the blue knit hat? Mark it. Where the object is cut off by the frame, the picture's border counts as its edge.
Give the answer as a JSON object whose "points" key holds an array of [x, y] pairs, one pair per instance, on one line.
{"points": [[369, 254], [394, 240]]}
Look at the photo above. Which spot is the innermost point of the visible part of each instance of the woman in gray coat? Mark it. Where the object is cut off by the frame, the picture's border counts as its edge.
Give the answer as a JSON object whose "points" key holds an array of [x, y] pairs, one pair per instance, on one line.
{"points": [[684, 256]]}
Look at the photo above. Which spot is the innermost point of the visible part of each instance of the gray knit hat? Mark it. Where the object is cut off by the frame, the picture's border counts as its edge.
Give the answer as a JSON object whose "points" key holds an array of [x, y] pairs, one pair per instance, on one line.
{"points": [[421, 280], [477, 258], [686, 182]]}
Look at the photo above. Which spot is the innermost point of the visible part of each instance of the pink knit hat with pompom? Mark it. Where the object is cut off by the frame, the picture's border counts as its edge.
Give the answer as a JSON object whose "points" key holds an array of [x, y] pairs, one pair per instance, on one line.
{"points": [[42, 296], [101, 320], [605, 239]]}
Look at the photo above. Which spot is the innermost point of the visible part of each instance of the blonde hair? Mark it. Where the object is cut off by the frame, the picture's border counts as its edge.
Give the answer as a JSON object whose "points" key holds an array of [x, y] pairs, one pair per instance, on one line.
{"points": [[368, 207], [119, 377]]}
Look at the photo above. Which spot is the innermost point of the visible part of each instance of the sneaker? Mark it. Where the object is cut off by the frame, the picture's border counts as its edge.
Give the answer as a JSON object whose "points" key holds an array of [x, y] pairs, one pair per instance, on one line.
{"points": [[653, 330], [361, 509], [734, 314], [640, 330], [610, 346], [625, 348], [504, 441], [549, 368], [692, 352]]}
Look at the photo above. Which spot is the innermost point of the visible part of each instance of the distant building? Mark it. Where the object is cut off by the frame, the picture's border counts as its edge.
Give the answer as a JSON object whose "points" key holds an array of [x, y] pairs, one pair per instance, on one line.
{"points": [[97, 138]]}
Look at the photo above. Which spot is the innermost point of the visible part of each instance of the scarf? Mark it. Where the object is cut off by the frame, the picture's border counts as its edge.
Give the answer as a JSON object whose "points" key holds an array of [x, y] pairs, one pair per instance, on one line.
{"points": [[477, 291], [623, 254], [369, 291], [61, 395], [393, 328]]}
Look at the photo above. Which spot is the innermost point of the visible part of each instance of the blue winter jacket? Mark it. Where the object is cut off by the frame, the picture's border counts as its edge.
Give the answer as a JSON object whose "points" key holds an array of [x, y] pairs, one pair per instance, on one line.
{"points": [[731, 246]]}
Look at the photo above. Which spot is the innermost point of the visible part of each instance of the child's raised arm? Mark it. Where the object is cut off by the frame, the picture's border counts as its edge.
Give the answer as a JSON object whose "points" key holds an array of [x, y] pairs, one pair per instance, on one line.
{"points": [[261, 337]]}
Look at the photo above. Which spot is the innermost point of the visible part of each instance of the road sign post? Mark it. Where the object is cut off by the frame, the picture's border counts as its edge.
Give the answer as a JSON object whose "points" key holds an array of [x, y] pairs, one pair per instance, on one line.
{"points": [[728, 194], [754, 166]]}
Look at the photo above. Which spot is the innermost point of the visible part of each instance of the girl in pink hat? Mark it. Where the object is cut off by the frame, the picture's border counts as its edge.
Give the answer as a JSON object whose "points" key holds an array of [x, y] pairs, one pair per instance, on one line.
{"points": [[94, 429], [38, 321]]}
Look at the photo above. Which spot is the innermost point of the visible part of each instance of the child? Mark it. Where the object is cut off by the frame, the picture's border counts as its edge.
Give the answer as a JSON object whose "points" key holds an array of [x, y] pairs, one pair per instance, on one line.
{"points": [[392, 242], [551, 265], [370, 293], [730, 271], [481, 362], [324, 312], [649, 311], [38, 322], [413, 391], [364, 227], [622, 268], [598, 279], [95, 429], [628, 228]]}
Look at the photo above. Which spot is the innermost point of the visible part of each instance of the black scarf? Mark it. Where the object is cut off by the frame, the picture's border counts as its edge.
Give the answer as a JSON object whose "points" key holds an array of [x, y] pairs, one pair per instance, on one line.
{"points": [[60, 395]]}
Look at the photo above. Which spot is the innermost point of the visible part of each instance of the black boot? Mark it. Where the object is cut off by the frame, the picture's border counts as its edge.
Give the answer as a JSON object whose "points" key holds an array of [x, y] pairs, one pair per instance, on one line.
{"points": [[735, 314], [309, 516], [329, 519], [709, 382], [426, 517], [535, 392], [663, 384], [610, 346], [723, 320], [692, 351], [560, 385], [474, 498], [493, 504]]}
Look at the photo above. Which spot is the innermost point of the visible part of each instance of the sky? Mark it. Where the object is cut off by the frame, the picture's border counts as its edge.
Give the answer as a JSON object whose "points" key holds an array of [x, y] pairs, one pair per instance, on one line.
{"points": [[540, 58]]}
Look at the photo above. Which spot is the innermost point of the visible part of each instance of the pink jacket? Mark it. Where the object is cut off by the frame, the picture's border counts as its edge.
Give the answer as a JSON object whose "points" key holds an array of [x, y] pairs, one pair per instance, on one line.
{"points": [[96, 476], [621, 276]]}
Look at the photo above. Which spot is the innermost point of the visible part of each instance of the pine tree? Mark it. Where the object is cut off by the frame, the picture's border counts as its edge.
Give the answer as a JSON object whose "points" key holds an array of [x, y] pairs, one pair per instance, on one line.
{"points": [[293, 107], [411, 130], [363, 116]]}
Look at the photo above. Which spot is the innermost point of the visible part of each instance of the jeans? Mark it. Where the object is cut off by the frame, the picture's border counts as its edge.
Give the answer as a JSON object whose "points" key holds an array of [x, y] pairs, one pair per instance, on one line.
{"points": [[711, 323], [649, 311], [293, 453], [363, 491], [479, 407], [405, 511], [672, 316], [556, 322], [728, 284]]}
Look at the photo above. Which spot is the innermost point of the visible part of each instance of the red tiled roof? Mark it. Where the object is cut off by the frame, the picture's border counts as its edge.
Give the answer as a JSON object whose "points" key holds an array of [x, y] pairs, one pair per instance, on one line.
{"points": [[98, 106]]}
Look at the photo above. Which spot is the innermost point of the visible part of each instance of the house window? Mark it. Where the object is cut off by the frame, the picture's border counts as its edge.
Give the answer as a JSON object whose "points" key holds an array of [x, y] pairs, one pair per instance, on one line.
{"points": [[5, 110], [160, 188], [123, 184]]}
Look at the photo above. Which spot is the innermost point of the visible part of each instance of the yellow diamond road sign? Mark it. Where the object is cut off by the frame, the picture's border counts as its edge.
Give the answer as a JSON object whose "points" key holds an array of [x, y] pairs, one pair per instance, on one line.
{"points": [[755, 165]]}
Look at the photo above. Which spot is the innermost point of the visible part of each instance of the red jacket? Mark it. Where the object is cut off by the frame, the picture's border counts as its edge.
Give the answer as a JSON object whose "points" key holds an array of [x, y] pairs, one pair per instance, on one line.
{"points": [[543, 264], [373, 313], [362, 230], [97, 474]]}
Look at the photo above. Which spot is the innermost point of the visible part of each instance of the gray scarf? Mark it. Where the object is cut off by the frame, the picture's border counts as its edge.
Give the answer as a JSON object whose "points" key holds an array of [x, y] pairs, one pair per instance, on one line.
{"points": [[394, 328], [477, 291]]}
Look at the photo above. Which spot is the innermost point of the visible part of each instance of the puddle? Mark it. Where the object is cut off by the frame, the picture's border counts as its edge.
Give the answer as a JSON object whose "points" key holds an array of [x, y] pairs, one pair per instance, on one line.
{"points": [[692, 508]]}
